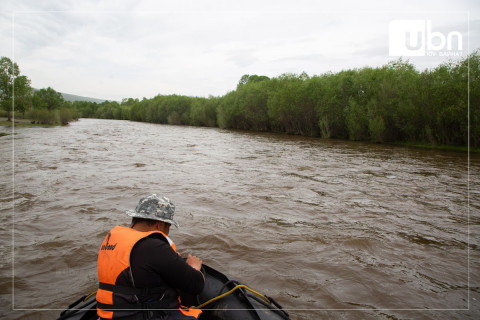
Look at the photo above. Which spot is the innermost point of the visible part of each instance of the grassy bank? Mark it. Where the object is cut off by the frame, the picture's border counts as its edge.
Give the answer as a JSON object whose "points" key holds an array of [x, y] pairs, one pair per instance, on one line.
{"points": [[23, 122], [35, 122], [438, 147]]}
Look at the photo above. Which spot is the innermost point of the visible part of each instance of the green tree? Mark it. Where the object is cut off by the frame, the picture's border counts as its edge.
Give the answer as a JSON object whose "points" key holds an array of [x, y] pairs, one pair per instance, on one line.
{"points": [[107, 110], [246, 78], [85, 109], [397, 96], [290, 107], [226, 113], [48, 98], [251, 105], [13, 87], [8, 72], [357, 120], [23, 94], [448, 103], [474, 63], [203, 112], [338, 89], [394, 102]]}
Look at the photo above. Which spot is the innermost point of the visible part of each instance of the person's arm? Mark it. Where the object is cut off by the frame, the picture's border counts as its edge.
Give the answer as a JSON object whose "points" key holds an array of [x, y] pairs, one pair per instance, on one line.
{"points": [[155, 255], [194, 262]]}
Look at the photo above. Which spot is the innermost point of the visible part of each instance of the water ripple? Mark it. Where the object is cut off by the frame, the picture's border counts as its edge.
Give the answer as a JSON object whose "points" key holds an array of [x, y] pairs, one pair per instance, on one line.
{"points": [[317, 224]]}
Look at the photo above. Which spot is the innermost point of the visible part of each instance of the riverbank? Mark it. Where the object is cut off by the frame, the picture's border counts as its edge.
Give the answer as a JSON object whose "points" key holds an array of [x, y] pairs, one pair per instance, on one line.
{"points": [[28, 122], [24, 122], [438, 147], [20, 122], [418, 145]]}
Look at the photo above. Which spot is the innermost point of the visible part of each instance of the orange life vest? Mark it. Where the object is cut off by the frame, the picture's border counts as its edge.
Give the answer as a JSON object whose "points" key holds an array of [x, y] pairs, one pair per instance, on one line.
{"points": [[113, 259]]}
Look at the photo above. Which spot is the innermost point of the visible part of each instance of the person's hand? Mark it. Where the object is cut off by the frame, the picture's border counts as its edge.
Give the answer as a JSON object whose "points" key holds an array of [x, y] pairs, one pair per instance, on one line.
{"points": [[194, 262]]}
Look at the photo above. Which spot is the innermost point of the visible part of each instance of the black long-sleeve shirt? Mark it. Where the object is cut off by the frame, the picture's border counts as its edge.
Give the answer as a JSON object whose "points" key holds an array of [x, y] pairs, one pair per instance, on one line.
{"points": [[154, 263]]}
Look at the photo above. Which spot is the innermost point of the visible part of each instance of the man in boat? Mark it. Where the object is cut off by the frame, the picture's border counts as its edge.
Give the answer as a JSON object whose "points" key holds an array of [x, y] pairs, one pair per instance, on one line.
{"points": [[139, 270]]}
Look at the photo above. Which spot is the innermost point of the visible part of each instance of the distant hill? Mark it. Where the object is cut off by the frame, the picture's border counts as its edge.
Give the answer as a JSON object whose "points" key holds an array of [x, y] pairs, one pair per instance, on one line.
{"points": [[72, 97]]}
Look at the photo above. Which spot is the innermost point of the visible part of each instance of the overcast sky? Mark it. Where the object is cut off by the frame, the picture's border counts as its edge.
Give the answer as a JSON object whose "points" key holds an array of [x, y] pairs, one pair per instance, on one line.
{"points": [[120, 49]]}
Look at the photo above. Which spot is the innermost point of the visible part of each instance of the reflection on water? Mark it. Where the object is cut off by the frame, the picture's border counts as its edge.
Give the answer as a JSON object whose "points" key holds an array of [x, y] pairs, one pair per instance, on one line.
{"points": [[329, 228]]}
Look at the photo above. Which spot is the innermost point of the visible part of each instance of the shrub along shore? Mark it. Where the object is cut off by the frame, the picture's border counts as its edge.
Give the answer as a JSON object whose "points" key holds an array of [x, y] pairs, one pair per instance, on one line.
{"points": [[394, 103], [42, 117], [44, 106]]}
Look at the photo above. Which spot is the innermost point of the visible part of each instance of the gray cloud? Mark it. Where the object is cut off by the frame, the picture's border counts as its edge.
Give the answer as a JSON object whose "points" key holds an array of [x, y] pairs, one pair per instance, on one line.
{"points": [[141, 48]]}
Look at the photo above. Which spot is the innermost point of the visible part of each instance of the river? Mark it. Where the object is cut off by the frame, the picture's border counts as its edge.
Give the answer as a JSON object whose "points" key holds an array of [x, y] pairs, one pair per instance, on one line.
{"points": [[330, 229]]}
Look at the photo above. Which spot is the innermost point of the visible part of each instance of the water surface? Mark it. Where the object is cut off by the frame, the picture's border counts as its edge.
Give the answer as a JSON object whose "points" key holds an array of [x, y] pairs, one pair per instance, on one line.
{"points": [[330, 229]]}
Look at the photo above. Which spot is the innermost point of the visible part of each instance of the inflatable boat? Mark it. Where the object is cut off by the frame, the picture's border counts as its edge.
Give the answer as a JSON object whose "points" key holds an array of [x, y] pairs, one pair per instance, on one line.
{"points": [[222, 298]]}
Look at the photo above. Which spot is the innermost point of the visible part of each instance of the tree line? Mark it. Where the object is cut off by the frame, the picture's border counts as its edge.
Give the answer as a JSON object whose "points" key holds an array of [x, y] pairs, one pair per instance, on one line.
{"points": [[392, 103], [44, 106]]}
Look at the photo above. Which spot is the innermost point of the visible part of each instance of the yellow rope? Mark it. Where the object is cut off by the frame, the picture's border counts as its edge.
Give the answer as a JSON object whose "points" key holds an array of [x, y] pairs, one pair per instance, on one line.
{"points": [[89, 296], [229, 292], [211, 300]]}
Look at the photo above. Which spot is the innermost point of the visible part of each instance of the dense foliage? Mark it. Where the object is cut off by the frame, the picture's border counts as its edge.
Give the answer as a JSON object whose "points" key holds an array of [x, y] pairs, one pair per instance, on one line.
{"points": [[45, 106], [393, 103], [13, 88]]}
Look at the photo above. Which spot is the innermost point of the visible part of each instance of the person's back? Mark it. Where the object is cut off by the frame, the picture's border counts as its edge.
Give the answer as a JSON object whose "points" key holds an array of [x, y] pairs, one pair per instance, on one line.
{"points": [[139, 270]]}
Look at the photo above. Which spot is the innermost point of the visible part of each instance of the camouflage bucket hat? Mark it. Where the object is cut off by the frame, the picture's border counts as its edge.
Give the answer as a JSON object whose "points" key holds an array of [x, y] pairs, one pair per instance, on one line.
{"points": [[155, 207]]}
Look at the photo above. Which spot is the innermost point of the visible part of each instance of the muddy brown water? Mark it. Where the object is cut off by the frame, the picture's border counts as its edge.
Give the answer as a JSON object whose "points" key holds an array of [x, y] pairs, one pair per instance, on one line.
{"points": [[331, 229]]}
